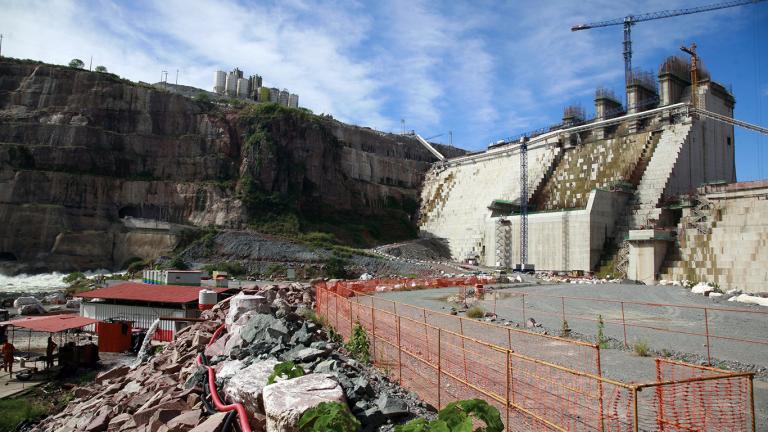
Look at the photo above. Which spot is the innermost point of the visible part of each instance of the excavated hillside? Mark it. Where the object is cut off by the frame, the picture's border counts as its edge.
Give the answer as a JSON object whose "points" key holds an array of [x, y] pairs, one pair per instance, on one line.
{"points": [[96, 170]]}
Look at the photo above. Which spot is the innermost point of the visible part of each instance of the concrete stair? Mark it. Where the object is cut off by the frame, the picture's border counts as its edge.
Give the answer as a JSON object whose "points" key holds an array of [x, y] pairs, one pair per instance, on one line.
{"points": [[656, 176]]}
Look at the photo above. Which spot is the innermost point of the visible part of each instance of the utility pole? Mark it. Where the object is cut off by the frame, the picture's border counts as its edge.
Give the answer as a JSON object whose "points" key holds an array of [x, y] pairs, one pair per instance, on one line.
{"points": [[402, 126], [1, 44], [177, 77], [450, 138], [90, 65], [164, 78]]}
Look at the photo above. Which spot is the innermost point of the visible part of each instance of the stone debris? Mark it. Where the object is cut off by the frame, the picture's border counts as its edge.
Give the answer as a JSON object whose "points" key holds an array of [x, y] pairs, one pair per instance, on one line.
{"points": [[286, 401], [265, 326]]}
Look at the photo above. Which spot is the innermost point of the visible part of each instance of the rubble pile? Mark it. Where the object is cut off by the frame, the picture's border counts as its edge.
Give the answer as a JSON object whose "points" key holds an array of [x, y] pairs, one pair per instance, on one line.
{"points": [[263, 328]]}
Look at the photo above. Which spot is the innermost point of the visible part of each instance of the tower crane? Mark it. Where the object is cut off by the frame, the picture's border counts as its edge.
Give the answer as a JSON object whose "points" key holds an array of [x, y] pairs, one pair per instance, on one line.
{"points": [[630, 20]]}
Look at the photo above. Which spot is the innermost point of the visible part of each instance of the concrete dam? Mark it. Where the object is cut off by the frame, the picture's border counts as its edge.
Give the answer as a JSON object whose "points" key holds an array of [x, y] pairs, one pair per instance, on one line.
{"points": [[613, 191]]}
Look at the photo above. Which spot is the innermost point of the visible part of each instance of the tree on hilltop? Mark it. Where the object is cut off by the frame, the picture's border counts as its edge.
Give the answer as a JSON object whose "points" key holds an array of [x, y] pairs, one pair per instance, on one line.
{"points": [[102, 69], [77, 64]]}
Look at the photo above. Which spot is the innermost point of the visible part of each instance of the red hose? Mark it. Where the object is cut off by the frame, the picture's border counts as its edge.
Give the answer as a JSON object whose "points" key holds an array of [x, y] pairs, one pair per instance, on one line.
{"points": [[242, 415], [216, 334]]}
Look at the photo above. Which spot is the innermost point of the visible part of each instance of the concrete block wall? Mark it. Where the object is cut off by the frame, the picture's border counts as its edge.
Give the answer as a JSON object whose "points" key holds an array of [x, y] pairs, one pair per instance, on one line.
{"points": [[563, 240], [734, 254], [597, 164], [455, 197], [657, 174]]}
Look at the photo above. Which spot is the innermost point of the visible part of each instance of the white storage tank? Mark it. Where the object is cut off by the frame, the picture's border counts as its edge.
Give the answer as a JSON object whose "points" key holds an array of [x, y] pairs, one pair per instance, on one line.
{"points": [[231, 86], [242, 88], [207, 299], [219, 82]]}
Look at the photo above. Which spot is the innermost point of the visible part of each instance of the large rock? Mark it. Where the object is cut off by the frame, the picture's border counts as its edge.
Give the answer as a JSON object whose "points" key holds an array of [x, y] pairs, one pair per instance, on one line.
{"points": [[227, 369], [286, 401], [262, 327], [32, 309], [24, 301], [247, 384], [242, 303]]}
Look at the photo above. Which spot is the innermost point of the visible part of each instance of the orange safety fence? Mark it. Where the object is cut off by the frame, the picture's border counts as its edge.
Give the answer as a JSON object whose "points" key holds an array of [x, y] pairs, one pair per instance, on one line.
{"points": [[566, 352], [442, 365]]}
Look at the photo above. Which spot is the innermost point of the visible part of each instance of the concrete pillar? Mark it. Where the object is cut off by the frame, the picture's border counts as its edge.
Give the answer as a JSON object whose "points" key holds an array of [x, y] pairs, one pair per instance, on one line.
{"points": [[671, 88], [647, 249], [606, 107]]}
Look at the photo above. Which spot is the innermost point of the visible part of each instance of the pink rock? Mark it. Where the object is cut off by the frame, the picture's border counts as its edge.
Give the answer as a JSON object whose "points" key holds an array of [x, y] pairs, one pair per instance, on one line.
{"points": [[184, 421], [246, 385], [211, 424], [286, 401]]}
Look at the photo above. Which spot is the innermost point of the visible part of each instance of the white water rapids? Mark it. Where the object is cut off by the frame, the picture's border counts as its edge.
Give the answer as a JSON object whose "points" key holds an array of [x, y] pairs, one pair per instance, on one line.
{"points": [[44, 282]]}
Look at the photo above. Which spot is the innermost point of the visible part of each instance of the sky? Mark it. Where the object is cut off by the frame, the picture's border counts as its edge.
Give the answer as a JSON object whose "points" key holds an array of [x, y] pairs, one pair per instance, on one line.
{"points": [[482, 70]]}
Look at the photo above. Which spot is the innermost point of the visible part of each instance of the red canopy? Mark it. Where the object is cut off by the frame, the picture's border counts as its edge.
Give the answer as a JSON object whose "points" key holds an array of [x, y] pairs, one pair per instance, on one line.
{"points": [[52, 323]]}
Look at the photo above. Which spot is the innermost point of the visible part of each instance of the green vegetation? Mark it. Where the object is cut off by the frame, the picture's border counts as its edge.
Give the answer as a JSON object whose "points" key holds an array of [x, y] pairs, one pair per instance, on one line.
{"points": [[642, 349], [232, 268], [358, 345], [276, 270], [565, 330], [291, 212], [475, 312], [204, 102], [14, 411], [335, 267], [602, 342], [285, 371], [135, 265], [177, 263], [76, 63], [73, 277], [328, 417], [100, 69], [458, 417]]}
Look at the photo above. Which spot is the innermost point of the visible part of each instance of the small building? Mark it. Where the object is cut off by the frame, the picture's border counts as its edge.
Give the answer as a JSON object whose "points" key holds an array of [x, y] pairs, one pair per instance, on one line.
{"points": [[142, 304], [172, 277]]}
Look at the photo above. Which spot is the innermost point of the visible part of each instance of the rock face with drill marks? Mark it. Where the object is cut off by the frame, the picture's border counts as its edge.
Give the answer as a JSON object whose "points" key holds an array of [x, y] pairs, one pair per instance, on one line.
{"points": [[95, 170]]}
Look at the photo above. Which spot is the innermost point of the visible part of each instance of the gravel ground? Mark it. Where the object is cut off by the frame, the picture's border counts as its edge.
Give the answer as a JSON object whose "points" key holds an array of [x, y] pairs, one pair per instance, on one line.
{"points": [[622, 364]]}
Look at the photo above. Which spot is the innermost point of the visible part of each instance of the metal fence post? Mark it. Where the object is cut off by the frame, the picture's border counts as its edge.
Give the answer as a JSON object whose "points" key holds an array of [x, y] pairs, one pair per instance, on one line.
{"points": [[463, 349], [523, 308], [624, 324], [706, 328], [506, 397], [562, 300], [399, 354], [636, 426], [752, 400], [439, 368], [373, 331]]}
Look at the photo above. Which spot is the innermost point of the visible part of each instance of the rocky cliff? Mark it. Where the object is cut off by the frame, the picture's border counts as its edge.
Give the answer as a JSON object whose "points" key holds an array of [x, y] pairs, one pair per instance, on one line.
{"points": [[95, 170]]}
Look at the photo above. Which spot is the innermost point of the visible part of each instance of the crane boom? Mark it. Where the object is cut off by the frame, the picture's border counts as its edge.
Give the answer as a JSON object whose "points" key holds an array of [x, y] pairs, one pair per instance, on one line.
{"points": [[630, 20], [663, 14]]}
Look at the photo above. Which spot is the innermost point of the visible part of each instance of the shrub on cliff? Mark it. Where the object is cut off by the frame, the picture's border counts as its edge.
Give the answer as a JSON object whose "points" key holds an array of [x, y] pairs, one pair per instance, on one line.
{"points": [[76, 63]]}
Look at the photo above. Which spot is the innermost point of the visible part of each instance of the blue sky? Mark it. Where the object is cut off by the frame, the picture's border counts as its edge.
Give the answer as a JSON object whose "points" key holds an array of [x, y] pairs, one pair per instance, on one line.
{"points": [[483, 70]]}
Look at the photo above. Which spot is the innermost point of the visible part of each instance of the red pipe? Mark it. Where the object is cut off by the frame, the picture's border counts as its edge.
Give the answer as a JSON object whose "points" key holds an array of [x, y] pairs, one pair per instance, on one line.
{"points": [[216, 334], [242, 414]]}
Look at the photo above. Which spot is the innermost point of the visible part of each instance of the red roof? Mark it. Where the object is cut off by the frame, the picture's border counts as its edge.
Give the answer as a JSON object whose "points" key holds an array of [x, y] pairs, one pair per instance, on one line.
{"points": [[51, 324], [149, 293]]}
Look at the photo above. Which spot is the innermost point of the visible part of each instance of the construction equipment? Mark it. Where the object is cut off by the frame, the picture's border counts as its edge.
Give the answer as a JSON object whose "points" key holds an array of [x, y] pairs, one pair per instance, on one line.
{"points": [[694, 72], [630, 20], [524, 266], [429, 147]]}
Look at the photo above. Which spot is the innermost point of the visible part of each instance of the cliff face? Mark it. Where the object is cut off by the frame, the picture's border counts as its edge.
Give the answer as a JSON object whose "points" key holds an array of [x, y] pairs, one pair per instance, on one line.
{"points": [[95, 170]]}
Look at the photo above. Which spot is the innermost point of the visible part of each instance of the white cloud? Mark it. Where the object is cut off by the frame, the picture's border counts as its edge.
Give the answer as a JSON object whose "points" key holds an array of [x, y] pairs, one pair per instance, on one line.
{"points": [[483, 70]]}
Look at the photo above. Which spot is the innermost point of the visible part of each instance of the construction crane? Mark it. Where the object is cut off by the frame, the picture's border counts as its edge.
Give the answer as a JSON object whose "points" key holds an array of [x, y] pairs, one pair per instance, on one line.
{"points": [[630, 20], [524, 266]]}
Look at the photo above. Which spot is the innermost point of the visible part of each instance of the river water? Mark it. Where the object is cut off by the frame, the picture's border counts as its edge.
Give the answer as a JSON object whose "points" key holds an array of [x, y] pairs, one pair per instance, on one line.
{"points": [[44, 282]]}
